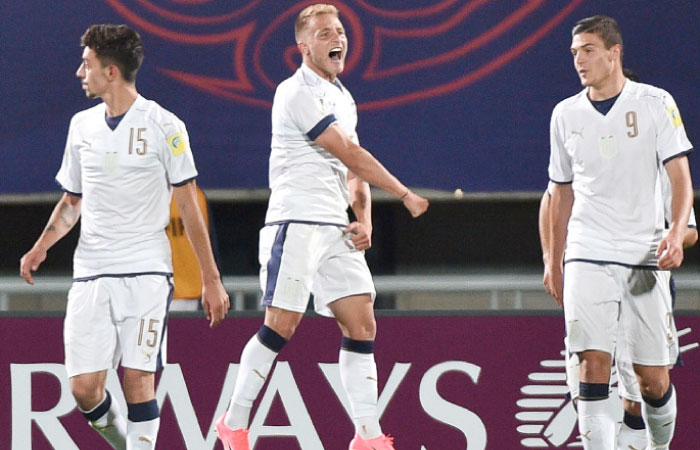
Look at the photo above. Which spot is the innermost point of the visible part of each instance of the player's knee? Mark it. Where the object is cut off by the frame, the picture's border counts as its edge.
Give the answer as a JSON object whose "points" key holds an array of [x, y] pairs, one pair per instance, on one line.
{"points": [[365, 330], [87, 395], [654, 388], [283, 323], [594, 367]]}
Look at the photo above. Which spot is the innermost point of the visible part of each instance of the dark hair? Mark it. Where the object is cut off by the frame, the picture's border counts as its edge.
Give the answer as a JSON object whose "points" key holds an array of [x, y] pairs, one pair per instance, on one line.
{"points": [[115, 44], [604, 27]]}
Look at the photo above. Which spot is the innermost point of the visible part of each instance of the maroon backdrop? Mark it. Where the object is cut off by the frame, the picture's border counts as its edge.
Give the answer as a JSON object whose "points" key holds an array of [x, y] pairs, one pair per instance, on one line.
{"points": [[456, 382]]}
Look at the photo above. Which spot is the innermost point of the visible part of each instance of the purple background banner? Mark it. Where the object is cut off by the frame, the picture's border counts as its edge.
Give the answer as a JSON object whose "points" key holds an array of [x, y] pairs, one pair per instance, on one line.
{"points": [[451, 93], [446, 382]]}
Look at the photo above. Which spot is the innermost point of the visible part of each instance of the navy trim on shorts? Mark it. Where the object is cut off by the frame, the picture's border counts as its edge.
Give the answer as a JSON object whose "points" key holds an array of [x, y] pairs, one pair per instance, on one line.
{"points": [[595, 261], [159, 359], [305, 222], [184, 182], [121, 275], [273, 265], [678, 155], [321, 126]]}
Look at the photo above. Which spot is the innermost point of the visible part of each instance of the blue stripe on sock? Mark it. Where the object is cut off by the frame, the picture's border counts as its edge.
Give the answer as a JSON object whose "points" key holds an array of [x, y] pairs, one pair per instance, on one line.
{"points": [[634, 422], [143, 412], [351, 345], [592, 391], [271, 339], [658, 403], [100, 410]]}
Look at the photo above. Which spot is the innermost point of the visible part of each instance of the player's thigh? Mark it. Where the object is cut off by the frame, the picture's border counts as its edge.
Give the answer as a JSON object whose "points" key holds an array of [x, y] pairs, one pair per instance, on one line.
{"points": [[342, 273], [591, 306], [289, 255], [89, 332], [647, 318], [140, 311]]}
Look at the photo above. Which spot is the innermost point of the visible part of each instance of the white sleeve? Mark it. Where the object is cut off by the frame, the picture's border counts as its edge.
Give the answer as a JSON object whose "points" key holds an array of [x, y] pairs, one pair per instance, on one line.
{"points": [[560, 166], [671, 139], [309, 113], [69, 175], [177, 154]]}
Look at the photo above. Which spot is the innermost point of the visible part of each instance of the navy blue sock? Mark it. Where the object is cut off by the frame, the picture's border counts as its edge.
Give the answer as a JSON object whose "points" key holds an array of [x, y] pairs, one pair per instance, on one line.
{"points": [[351, 345], [658, 403], [271, 339], [592, 391], [634, 422], [100, 410], [143, 412]]}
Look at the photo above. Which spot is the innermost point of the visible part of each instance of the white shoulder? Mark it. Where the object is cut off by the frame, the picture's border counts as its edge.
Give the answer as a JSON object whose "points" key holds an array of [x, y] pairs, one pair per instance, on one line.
{"points": [[87, 115], [654, 96], [567, 103], [160, 118]]}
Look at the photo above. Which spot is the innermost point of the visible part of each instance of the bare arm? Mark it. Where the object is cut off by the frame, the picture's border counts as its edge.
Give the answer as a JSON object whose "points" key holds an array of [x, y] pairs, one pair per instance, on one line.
{"points": [[63, 218], [560, 205], [366, 166], [361, 204], [671, 247], [215, 300]]}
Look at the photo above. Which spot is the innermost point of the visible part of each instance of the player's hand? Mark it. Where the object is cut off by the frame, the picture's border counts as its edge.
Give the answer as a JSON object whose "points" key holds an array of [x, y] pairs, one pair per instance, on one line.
{"points": [[215, 301], [360, 234], [553, 283], [30, 262], [671, 252], [415, 204]]}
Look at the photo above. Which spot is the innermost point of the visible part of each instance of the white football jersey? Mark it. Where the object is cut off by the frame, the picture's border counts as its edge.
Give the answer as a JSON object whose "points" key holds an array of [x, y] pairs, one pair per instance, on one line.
{"points": [[124, 177], [308, 183], [613, 163]]}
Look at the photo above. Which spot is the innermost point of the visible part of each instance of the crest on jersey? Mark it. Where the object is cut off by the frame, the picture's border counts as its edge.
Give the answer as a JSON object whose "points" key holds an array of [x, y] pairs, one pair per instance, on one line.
{"points": [[177, 144], [675, 116]]}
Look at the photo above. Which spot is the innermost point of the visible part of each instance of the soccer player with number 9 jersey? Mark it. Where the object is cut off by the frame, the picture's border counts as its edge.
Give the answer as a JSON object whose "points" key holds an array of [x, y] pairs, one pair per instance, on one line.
{"points": [[607, 228]]}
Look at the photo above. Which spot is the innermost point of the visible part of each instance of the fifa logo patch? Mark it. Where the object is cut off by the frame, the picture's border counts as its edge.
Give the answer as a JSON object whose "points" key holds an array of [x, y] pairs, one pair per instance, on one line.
{"points": [[675, 116], [177, 144]]}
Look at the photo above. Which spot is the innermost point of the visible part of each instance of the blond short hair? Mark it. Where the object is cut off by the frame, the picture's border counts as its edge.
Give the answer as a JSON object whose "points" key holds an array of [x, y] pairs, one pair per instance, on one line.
{"points": [[307, 13]]}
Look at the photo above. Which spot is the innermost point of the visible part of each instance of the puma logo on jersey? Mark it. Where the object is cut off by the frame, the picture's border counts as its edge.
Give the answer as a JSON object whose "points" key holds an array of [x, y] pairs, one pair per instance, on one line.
{"points": [[148, 355], [258, 374], [577, 133]]}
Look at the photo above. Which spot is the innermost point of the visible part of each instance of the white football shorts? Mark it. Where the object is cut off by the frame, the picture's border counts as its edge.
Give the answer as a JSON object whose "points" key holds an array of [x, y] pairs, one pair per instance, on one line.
{"points": [[299, 259], [602, 300], [109, 319]]}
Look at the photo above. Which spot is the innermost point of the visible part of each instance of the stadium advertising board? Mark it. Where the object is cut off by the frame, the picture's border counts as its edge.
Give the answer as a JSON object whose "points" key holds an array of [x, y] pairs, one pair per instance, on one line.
{"points": [[445, 382]]}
